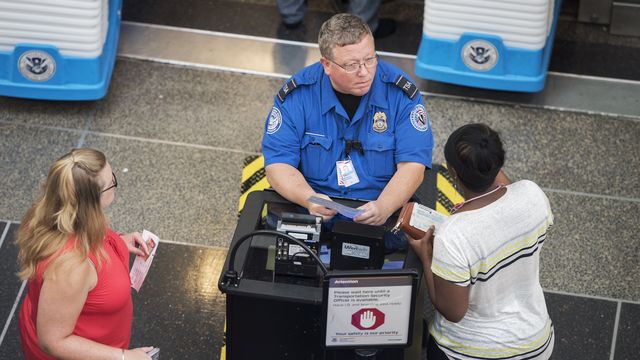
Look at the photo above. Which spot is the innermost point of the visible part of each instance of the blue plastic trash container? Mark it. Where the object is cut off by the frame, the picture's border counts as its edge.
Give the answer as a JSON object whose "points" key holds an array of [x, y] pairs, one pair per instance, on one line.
{"points": [[58, 50], [492, 44]]}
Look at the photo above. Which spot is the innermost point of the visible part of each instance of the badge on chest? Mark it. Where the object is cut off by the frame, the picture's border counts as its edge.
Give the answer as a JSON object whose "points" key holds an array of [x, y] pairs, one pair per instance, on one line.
{"points": [[380, 122]]}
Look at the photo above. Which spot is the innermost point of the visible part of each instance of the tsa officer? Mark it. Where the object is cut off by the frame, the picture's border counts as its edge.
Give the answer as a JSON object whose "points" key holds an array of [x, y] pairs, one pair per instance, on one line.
{"points": [[349, 125]]}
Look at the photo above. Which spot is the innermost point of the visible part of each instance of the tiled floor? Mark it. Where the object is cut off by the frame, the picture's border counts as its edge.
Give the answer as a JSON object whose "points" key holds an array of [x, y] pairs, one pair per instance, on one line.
{"points": [[177, 136]]}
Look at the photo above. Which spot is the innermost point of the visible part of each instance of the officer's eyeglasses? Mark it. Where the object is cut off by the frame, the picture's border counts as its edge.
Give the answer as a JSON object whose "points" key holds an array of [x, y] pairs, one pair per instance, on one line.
{"points": [[353, 67], [113, 185]]}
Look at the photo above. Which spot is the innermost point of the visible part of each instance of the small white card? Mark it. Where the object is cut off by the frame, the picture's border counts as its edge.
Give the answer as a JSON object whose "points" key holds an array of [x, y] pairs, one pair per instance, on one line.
{"points": [[423, 217], [342, 209], [347, 175], [141, 264]]}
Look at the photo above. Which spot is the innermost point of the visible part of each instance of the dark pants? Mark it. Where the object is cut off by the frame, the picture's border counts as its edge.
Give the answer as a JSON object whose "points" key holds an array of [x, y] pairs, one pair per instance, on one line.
{"points": [[433, 351]]}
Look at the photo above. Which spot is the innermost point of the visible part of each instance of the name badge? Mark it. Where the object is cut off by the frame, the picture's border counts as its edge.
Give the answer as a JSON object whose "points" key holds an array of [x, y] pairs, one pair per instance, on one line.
{"points": [[347, 175]]}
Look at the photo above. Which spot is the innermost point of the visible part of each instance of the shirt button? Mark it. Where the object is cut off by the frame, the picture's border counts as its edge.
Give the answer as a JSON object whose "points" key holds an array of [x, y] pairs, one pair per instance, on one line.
{"points": [[379, 146]]}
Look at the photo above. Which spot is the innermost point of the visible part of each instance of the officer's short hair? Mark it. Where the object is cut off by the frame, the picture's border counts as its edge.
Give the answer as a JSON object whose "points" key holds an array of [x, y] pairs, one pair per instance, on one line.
{"points": [[341, 30]]}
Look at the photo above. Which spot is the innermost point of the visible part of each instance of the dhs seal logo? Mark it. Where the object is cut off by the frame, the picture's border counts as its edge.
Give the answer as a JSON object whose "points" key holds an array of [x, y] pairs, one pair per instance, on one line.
{"points": [[419, 118], [275, 121], [479, 55], [37, 65]]}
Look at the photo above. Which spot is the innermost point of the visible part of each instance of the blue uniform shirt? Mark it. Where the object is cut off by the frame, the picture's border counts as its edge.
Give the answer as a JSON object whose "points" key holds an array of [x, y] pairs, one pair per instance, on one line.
{"points": [[308, 129]]}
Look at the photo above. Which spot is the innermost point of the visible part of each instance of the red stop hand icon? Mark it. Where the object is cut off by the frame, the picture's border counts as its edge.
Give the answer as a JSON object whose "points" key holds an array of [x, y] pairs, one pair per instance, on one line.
{"points": [[367, 319]]}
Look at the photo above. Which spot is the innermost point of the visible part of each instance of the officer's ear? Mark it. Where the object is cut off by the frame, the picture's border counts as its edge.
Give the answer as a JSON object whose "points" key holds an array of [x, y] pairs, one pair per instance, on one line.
{"points": [[326, 65]]}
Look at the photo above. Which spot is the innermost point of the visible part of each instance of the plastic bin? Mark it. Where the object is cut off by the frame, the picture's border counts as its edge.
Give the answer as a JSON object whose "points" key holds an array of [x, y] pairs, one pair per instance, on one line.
{"points": [[58, 50], [492, 44]]}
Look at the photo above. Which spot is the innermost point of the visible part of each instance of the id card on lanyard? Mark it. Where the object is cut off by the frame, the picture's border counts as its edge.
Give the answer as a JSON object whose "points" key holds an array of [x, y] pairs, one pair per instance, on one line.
{"points": [[347, 175]]}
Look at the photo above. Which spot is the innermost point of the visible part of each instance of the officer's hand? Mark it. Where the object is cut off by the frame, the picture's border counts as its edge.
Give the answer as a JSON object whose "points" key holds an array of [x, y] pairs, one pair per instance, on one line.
{"points": [[319, 210], [373, 214]]}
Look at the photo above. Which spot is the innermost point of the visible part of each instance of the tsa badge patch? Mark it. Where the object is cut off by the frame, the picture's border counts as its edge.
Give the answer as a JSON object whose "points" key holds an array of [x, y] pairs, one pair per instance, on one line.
{"points": [[380, 122], [36, 65], [275, 120], [419, 118]]}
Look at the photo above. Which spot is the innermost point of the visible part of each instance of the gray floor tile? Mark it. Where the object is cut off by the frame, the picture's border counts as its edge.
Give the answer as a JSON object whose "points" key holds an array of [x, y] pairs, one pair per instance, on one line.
{"points": [[180, 296], [583, 326], [66, 114], [9, 282], [593, 247], [10, 348], [10, 285], [26, 153], [627, 344], [560, 150], [181, 194], [185, 105]]}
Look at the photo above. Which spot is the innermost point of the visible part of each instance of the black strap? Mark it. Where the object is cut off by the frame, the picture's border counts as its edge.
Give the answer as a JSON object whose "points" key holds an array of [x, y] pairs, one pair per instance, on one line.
{"points": [[407, 86], [287, 89], [353, 144]]}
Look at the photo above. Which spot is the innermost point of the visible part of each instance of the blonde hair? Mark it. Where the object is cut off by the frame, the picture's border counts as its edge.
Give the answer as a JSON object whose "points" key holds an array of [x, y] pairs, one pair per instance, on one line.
{"points": [[68, 206], [341, 30]]}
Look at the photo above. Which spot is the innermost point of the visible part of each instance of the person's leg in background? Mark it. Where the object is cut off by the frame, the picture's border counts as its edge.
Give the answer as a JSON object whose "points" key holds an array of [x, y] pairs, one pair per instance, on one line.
{"points": [[292, 12], [368, 11]]}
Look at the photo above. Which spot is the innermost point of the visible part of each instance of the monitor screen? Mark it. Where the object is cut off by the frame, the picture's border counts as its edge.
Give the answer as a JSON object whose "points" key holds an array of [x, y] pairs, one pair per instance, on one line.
{"points": [[369, 311]]}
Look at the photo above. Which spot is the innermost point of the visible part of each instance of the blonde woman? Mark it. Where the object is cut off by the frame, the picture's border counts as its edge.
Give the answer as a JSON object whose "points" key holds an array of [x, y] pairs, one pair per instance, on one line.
{"points": [[78, 304]]}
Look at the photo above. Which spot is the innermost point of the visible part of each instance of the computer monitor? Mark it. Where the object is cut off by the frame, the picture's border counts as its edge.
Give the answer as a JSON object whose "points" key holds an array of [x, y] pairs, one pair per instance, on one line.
{"points": [[369, 309]]}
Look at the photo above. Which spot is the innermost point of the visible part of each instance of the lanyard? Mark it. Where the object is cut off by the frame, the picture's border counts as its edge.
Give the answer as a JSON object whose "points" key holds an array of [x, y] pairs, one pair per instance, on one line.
{"points": [[457, 206]]}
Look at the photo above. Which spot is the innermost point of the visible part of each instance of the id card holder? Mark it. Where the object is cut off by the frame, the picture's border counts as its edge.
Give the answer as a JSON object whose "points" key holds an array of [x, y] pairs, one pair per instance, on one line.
{"points": [[347, 175], [415, 219]]}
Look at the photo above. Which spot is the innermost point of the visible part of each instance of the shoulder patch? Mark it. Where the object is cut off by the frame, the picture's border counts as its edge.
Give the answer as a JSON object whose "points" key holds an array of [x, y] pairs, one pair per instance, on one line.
{"points": [[275, 121], [287, 89], [407, 86], [420, 118]]}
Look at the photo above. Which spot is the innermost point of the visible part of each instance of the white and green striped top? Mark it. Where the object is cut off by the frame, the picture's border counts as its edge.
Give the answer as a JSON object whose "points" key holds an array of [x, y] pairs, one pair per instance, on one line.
{"points": [[496, 251]]}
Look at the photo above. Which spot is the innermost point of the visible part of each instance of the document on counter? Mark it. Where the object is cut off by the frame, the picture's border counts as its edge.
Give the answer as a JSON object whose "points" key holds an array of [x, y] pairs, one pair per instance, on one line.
{"points": [[342, 209], [142, 264]]}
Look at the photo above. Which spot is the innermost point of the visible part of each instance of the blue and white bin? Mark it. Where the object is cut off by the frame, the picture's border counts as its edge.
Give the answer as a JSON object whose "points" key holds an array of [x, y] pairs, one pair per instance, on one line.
{"points": [[58, 49], [492, 44]]}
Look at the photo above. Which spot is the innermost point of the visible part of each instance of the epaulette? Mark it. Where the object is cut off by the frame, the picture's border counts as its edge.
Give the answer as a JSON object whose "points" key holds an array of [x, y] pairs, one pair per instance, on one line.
{"points": [[407, 86], [287, 89]]}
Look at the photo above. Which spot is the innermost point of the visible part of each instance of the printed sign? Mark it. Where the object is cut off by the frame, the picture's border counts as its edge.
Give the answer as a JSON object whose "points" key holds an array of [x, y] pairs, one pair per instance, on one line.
{"points": [[368, 311]]}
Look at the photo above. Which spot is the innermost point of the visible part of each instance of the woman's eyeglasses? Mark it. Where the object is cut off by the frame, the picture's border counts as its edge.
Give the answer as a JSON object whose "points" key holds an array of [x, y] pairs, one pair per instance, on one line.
{"points": [[114, 185]]}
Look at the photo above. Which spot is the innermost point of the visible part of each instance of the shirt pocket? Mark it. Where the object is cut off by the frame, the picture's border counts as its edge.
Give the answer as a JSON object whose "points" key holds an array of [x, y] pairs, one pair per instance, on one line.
{"points": [[316, 161], [379, 155]]}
